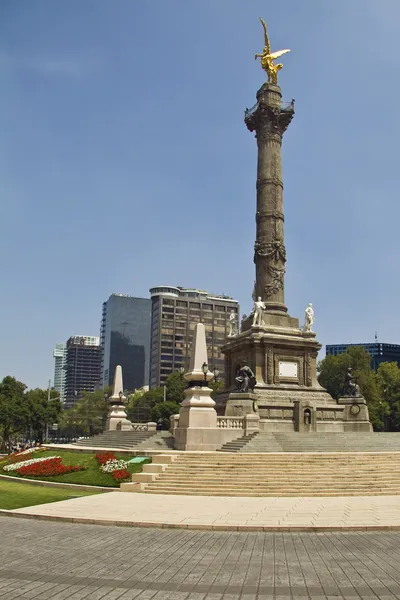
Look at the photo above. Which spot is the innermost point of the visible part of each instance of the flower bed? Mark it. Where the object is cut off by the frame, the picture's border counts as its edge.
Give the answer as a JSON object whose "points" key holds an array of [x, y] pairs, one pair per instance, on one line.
{"points": [[18, 456], [16, 466], [51, 466], [121, 474], [113, 465], [103, 457]]}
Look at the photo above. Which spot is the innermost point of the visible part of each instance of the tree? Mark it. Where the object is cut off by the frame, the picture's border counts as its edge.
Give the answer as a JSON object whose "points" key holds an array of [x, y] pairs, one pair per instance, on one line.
{"points": [[42, 411], [216, 385], [163, 411], [88, 416], [140, 407], [14, 412], [332, 373], [175, 385], [388, 379]]}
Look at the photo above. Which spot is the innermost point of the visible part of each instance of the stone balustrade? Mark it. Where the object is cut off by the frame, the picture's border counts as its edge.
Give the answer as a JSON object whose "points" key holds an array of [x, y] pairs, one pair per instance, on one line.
{"points": [[144, 426], [230, 422]]}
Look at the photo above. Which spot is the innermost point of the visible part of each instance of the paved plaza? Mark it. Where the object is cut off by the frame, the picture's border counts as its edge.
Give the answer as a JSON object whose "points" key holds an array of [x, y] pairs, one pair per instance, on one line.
{"points": [[56, 561], [236, 513]]}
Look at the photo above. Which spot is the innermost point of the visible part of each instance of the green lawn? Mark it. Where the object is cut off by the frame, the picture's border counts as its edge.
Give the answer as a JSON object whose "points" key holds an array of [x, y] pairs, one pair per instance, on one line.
{"points": [[19, 495], [90, 476]]}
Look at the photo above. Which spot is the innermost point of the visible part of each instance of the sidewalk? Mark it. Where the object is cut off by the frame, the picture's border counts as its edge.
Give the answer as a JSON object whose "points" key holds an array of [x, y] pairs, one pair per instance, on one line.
{"points": [[225, 513]]}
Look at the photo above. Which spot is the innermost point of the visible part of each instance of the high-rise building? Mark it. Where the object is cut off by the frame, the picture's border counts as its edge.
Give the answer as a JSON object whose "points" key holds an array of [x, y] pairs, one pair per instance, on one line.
{"points": [[125, 340], [82, 367], [175, 312], [60, 356], [379, 352]]}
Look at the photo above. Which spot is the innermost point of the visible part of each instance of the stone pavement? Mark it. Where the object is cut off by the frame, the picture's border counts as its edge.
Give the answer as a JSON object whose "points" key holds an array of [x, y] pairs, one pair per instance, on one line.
{"points": [[64, 561], [236, 513]]}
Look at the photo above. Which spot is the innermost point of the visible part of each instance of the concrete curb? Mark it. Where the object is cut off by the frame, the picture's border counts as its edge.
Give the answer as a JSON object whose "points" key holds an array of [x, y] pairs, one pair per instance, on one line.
{"points": [[59, 484], [199, 527]]}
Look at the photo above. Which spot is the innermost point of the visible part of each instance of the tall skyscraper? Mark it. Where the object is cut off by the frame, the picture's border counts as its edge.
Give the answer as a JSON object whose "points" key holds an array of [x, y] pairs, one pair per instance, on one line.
{"points": [[60, 356], [379, 352], [82, 367], [125, 340], [175, 312]]}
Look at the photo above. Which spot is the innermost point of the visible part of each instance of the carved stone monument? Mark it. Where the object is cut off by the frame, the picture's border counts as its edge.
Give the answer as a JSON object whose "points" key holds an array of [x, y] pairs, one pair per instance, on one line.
{"points": [[117, 418], [282, 354]]}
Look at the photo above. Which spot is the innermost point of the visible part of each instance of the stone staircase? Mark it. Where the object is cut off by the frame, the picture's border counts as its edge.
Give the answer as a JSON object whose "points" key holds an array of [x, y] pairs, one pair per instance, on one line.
{"points": [[238, 444], [218, 474], [124, 440], [316, 442]]}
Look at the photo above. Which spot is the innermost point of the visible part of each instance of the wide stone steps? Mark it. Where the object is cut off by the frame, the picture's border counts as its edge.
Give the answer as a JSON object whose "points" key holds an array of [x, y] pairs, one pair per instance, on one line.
{"points": [[237, 445], [316, 442], [217, 474], [125, 440]]}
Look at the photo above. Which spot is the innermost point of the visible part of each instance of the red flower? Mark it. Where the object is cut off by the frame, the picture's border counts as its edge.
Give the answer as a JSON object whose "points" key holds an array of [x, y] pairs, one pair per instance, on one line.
{"points": [[103, 457], [121, 474], [48, 468]]}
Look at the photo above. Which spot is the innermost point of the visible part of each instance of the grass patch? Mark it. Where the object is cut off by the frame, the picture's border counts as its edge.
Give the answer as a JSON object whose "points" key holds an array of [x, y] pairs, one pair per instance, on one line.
{"points": [[18, 495], [90, 476]]}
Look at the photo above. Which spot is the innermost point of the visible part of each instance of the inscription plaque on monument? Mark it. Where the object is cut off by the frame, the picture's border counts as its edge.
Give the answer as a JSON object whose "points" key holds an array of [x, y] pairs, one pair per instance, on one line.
{"points": [[288, 369]]}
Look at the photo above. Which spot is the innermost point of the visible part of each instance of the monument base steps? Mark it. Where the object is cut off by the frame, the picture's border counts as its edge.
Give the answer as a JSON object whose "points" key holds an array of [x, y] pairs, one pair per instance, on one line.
{"points": [[218, 474]]}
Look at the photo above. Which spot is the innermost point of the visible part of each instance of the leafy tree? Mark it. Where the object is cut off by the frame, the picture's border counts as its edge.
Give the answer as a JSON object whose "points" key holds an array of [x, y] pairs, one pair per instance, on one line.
{"points": [[14, 412], [42, 411], [388, 379], [332, 373], [175, 385], [140, 407], [163, 411], [216, 386], [88, 416]]}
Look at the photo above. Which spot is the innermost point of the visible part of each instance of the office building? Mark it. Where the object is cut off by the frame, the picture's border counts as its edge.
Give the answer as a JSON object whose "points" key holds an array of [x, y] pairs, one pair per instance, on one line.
{"points": [[125, 340], [60, 355], [379, 352], [82, 367], [175, 312]]}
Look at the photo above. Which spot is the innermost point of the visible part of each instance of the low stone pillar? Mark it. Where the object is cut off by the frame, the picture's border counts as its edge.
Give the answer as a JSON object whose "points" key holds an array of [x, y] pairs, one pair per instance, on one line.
{"points": [[240, 403], [173, 423], [356, 416], [151, 426], [251, 423]]}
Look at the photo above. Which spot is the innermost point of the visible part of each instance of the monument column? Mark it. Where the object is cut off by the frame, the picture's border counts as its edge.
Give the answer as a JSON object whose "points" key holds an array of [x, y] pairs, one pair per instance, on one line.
{"points": [[269, 118]]}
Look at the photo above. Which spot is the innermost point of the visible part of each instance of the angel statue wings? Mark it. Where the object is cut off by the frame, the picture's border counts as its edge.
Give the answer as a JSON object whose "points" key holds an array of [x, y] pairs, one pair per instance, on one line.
{"points": [[268, 57]]}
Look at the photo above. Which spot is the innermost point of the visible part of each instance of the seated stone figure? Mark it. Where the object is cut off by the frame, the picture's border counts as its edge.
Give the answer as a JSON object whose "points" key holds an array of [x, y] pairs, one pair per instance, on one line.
{"points": [[350, 388], [245, 379]]}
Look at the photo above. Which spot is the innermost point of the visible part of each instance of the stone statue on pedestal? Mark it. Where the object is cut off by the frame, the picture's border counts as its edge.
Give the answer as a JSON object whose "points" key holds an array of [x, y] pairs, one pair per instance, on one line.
{"points": [[259, 307], [351, 388], [245, 379], [233, 324], [309, 318]]}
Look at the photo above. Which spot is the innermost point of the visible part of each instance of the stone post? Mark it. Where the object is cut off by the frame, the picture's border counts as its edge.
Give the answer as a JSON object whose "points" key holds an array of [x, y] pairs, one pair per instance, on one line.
{"points": [[197, 427], [117, 418], [269, 119], [251, 423]]}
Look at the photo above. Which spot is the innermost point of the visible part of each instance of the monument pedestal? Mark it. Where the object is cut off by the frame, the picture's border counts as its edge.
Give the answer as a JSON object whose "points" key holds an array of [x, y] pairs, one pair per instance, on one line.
{"points": [[287, 395], [355, 414]]}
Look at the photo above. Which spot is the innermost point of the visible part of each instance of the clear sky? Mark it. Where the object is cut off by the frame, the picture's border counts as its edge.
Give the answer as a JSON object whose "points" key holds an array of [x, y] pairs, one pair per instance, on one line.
{"points": [[125, 162]]}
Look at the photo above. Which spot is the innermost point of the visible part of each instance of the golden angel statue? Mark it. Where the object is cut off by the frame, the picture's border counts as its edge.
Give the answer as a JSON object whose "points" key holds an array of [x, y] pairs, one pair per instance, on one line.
{"points": [[268, 57]]}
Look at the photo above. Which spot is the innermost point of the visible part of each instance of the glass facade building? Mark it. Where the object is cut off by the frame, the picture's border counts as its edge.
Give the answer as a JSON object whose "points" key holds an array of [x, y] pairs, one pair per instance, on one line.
{"points": [[379, 352], [82, 367], [175, 312], [125, 340], [60, 357]]}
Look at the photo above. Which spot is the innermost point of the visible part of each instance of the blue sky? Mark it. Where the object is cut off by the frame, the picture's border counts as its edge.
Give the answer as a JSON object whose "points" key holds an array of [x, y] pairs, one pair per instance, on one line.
{"points": [[125, 162]]}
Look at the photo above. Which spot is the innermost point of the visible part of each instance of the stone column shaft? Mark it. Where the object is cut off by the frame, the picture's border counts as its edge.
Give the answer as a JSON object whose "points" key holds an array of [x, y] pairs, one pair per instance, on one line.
{"points": [[269, 119]]}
